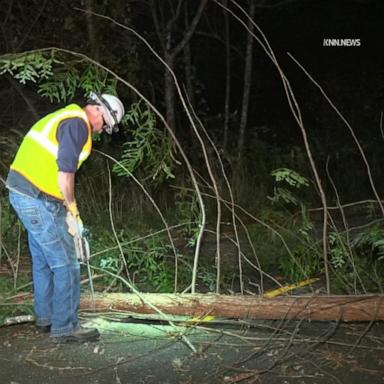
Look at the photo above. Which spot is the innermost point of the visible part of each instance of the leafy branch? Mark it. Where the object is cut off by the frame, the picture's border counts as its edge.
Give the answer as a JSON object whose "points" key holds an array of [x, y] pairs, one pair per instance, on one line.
{"points": [[148, 147], [57, 80]]}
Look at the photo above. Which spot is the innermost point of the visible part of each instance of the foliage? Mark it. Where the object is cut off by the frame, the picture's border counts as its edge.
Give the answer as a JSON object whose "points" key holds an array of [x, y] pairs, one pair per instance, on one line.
{"points": [[148, 147], [67, 79], [206, 277], [370, 243], [306, 260], [58, 78], [9, 231], [7, 218], [28, 67], [148, 260], [357, 266], [337, 250], [7, 290], [290, 176], [293, 179], [10, 285], [188, 212]]}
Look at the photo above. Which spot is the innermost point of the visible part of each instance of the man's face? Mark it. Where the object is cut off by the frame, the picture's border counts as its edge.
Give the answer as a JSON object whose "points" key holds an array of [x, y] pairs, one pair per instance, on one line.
{"points": [[98, 122]]}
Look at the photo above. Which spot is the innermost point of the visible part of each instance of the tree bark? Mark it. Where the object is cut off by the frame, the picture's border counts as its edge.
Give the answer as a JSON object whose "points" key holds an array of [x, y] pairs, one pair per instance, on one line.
{"points": [[323, 308], [247, 80], [227, 77], [188, 62], [172, 49], [169, 93], [92, 32]]}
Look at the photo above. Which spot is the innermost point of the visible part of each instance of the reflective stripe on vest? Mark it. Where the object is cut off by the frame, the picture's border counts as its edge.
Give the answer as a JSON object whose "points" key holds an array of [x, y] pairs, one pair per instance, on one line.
{"points": [[51, 147]]}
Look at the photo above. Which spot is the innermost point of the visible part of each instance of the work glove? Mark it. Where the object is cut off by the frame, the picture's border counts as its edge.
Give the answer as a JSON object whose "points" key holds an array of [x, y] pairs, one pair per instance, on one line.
{"points": [[79, 233], [74, 222]]}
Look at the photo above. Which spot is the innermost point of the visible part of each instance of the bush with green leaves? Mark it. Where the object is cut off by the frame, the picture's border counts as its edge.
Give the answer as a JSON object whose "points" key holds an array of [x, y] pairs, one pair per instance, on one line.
{"points": [[305, 260], [290, 178], [363, 267], [150, 261], [8, 289], [151, 266], [337, 250], [298, 230], [9, 233], [188, 212], [10, 247], [370, 243]]}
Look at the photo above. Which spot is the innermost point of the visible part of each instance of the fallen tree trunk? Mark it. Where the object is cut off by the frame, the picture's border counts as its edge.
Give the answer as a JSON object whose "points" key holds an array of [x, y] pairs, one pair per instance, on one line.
{"points": [[323, 308]]}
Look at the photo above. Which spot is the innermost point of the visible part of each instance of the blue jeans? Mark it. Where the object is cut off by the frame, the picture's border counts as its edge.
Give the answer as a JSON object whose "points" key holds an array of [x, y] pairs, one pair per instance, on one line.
{"points": [[55, 269]]}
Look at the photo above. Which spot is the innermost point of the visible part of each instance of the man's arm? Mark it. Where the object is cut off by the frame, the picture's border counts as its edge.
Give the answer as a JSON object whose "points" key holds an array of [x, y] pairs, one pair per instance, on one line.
{"points": [[71, 135], [66, 182]]}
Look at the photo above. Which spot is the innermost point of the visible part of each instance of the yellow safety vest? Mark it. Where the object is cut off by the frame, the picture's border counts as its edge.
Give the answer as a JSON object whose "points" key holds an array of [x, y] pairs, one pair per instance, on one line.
{"points": [[36, 158]]}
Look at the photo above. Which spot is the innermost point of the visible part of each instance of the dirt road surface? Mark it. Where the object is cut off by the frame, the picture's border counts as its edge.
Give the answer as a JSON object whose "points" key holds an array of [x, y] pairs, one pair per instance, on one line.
{"points": [[152, 352]]}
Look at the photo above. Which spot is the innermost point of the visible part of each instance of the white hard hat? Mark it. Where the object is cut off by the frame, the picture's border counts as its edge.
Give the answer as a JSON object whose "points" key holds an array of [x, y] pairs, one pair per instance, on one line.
{"points": [[113, 110]]}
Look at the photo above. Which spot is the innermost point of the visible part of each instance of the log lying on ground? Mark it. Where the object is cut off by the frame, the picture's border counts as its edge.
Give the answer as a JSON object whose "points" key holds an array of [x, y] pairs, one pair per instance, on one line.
{"points": [[323, 308]]}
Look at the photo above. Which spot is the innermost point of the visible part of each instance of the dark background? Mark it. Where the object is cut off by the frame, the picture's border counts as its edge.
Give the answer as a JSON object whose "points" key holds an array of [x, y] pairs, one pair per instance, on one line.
{"points": [[351, 76]]}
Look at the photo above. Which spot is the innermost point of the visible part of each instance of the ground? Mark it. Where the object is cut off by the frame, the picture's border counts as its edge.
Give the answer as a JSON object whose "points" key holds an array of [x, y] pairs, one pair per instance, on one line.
{"points": [[137, 351]]}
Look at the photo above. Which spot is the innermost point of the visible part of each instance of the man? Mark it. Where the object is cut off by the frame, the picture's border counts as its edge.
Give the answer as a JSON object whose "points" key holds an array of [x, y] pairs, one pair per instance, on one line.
{"points": [[41, 190]]}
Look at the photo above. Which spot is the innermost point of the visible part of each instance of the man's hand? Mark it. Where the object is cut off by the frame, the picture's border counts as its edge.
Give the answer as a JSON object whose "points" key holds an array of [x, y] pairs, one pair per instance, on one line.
{"points": [[72, 209], [66, 181], [76, 229]]}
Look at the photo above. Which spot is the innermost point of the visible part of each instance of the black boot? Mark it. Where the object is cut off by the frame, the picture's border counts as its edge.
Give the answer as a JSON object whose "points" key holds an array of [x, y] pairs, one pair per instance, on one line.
{"points": [[81, 335]]}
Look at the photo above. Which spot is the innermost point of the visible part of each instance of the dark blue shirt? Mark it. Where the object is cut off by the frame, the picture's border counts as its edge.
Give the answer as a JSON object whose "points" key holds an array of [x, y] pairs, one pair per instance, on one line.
{"points": [[71, 135]]}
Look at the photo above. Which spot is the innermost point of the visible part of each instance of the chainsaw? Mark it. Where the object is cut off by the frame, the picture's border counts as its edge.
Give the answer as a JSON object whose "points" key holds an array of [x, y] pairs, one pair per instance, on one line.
{"points": [[83, 254], [82, 246]]}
